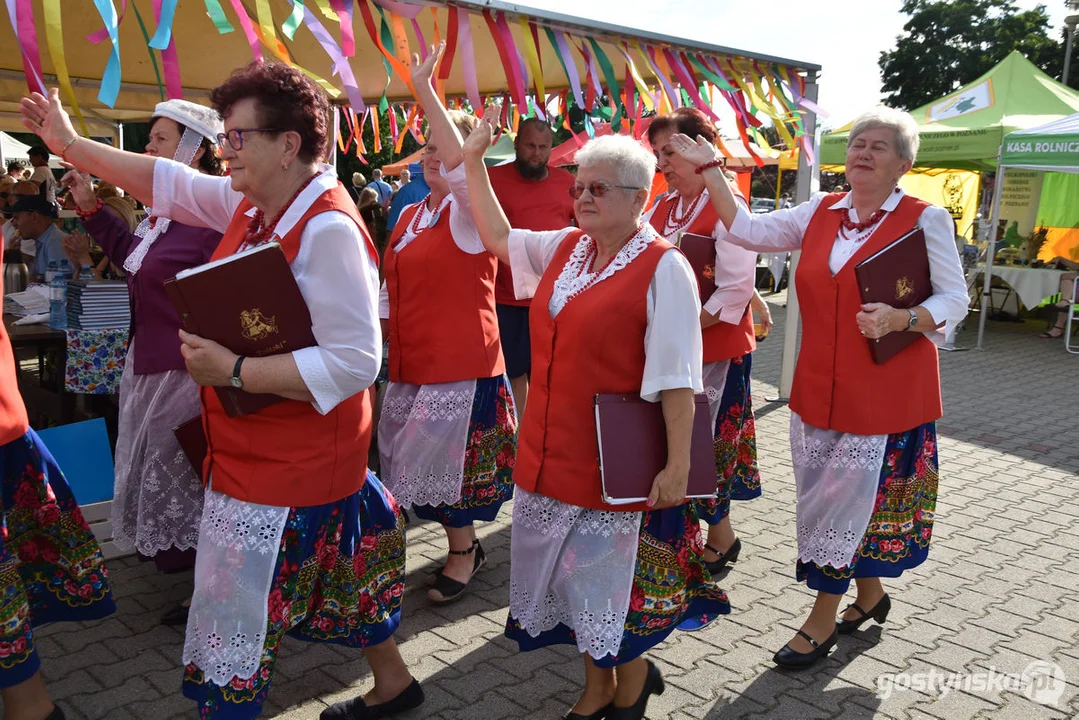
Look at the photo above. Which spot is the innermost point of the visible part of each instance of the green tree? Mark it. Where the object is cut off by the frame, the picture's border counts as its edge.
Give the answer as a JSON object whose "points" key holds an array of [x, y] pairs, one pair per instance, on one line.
{"points": [[948, 43]]}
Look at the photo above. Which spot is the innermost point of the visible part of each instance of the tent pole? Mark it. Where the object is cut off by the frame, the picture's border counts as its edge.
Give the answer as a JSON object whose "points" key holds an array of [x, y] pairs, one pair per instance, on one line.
{"points": [[120, 135], [998, 188], [333, 136], [803, 189]]}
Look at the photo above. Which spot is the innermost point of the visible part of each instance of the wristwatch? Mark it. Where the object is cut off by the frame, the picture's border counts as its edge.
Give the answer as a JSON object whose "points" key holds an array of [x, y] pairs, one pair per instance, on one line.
{"points": [[910, 325], [235, 380]]}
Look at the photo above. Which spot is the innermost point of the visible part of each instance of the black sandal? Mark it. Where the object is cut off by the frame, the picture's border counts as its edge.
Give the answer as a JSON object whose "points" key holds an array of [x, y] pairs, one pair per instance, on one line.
{"points": [[481, 560], [728, 558], [450, 589], [176, 616]]}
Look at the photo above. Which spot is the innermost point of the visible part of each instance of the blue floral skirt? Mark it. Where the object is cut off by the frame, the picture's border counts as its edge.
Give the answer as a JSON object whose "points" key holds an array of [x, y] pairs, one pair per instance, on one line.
{"points": [[671, 590], [901, 526], [489, 459], [51, 567], [735, 445], [339, 579]]}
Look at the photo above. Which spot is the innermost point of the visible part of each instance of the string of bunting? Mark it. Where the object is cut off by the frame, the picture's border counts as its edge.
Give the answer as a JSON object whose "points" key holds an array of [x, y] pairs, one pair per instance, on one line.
{"points": [[656, 78]]}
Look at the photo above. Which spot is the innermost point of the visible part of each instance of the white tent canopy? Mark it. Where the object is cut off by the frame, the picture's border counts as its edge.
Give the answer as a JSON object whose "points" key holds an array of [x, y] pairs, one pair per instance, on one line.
{"points": [[1051, 147], [12, 149]]}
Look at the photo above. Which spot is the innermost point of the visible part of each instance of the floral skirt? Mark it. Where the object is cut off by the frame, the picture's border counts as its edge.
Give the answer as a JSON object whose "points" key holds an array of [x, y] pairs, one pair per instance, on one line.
{"points": [[339, 579], [671, 589], [735, 445], [51, 567], [489, 459], [901, 525]]}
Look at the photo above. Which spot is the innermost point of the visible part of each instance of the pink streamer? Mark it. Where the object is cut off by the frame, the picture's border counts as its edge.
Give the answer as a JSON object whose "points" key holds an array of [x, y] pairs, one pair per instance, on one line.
{"points": [[687, 83], [348, 38], [805, 102], [249, 29], [340, 63], [22, 17], [593, 69], [468, 59], [406, 10], [674, 96], [103, 33], [515, 60], [174, 87], [571, 66], [419, 36]]}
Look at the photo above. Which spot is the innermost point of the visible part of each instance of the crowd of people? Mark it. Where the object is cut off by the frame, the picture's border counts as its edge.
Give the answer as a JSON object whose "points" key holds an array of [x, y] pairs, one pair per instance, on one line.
{"points": [[501, 302]]}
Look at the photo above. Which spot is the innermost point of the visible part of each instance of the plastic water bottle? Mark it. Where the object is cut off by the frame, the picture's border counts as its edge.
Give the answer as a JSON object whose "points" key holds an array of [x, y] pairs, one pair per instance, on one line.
{"points": [[86, 273], [58, 301]]}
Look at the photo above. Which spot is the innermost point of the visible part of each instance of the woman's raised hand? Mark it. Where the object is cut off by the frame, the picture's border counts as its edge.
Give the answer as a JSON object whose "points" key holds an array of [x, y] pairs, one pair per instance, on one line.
{"points": [[479, 140], [81, 189], [423, 72], [696, 153], [46, 117]]}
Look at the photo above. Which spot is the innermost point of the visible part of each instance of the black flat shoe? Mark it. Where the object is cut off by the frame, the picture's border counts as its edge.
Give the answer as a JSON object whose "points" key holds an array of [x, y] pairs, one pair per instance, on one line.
{"points": [[788, 658], [356, 709], [728, 558], [56, 714], [653, 685], [600, 714], [175, 617], [450, 589], [481, 560], [878, 613]]}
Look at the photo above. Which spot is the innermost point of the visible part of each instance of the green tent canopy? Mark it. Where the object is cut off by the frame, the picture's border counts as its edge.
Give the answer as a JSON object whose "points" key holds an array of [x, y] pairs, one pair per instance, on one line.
{"points": [[1053, 146], [964, 130]]}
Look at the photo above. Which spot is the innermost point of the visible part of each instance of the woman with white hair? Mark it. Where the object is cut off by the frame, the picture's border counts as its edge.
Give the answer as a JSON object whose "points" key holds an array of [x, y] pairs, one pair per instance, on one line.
{"points": [[621, 315], [158, 501], [863, 435]]}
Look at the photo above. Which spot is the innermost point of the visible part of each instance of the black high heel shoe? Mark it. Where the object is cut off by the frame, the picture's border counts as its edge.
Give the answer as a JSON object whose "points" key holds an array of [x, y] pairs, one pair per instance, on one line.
{"points": [[878, 613], [600, 714], [794, 660], [653, 685], [728, 558]]}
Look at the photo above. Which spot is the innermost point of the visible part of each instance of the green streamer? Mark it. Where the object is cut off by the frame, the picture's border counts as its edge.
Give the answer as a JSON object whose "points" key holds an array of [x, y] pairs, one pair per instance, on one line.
{"points": [[612, 85], [289, 27], [153, 58], [213, 9]]}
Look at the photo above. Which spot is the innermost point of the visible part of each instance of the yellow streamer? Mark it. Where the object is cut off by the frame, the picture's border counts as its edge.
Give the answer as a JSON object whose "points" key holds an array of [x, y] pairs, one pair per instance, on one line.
{"points": [[666, 103], [324, 6], [54, 36], [642, 86], [281, 53], [265, 16], [532, 55]]}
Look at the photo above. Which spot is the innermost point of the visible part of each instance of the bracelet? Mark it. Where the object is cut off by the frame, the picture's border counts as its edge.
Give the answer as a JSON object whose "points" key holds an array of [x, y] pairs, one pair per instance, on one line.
{"points": [[718, 162], [63, 151], [87, 213]]}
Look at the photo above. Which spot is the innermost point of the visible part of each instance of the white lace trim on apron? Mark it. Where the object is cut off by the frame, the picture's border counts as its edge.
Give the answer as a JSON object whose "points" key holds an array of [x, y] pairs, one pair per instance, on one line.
{"points": [[574, 566], [836, 476], [422, 438], [234, 572]]}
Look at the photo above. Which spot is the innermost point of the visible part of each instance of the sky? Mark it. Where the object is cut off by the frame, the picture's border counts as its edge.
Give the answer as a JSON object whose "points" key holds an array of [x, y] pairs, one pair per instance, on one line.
{"points": [[844, 37]]}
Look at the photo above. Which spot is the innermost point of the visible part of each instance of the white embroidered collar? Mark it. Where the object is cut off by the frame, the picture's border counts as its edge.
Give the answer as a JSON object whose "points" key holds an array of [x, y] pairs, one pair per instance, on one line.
{"points": [[576, 276]]}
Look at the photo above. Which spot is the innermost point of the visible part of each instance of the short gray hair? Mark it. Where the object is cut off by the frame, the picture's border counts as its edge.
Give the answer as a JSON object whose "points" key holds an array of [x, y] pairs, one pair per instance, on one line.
{"points": [[635, 165], [901, 123]]}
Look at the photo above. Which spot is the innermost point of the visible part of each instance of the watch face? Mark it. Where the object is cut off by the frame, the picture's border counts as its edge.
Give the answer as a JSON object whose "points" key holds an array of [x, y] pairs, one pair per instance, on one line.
{"points": [[236, 382]]}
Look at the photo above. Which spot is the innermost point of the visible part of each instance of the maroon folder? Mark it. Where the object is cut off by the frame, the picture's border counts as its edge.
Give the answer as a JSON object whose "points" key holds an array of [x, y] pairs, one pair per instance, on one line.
{"points": [[250, 303], [192, 441], [897, 275], [633, 448], [700, 250]]}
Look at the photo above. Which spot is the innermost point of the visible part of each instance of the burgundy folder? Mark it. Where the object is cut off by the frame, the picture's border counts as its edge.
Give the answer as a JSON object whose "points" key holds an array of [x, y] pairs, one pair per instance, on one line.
{"points": [[700, 250], [192, 440], [633, 448]]}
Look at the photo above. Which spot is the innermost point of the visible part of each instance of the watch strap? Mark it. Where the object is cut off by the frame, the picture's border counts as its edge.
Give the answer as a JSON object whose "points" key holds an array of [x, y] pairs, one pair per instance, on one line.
{"points": [[236, 368]]}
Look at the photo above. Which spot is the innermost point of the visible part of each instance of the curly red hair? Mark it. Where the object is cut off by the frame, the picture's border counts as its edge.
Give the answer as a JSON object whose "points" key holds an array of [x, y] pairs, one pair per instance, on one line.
{"points": [[285, 98], [686, 120]]}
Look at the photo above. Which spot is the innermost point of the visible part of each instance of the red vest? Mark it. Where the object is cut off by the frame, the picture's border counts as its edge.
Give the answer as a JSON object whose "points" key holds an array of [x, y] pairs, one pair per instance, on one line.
{"points": [[722, 341], [13, 420], [595, 345], [289, 454], [837, 386], [443, 326]]}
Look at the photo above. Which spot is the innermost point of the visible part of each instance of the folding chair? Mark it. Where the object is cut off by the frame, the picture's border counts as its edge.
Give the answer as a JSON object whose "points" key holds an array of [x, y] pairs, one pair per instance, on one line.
{"points": [[1073, 349]]}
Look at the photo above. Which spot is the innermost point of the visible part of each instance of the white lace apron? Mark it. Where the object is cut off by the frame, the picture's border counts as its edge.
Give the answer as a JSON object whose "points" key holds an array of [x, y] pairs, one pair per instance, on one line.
{"points": [[574, 566], [714, 376], [836, 476], [234, 572], [422, 438]]}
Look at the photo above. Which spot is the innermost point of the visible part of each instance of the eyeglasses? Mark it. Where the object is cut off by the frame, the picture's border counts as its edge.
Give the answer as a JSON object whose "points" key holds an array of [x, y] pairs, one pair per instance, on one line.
{"points": [[235, 136], [597, 189]]}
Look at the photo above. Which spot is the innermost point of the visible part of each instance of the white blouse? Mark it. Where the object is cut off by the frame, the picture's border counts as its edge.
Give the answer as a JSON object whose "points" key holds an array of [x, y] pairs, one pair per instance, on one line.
{"points": [[736, 267], [463, 228], [333, 269], [673, 347], [782, 230]]}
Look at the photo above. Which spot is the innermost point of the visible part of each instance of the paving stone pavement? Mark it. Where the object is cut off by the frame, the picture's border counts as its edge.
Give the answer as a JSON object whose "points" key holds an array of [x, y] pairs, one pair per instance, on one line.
{"points": [[997, 593]]}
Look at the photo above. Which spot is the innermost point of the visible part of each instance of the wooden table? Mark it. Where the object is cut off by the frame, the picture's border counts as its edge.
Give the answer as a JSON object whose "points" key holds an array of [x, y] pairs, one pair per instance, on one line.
{"points": [[49, 399]]}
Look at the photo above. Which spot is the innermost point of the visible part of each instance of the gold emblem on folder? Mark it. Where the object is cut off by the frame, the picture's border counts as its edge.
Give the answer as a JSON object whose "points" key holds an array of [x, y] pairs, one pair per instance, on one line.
{"points": [[257, 326], [903, 287], [710, 272]]}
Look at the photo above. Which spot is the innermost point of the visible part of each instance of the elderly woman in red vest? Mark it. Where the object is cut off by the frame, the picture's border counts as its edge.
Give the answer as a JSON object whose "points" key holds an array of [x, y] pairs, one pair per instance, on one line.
{"points": [[51, 568], [297, 537], [863, 435], [447, 433], [726, 325], [620, 314]]}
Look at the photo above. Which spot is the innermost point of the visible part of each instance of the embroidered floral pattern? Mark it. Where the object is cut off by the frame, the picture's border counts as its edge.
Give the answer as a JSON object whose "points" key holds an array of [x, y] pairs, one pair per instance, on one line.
{"points": [[576, 277], [95, 361]]}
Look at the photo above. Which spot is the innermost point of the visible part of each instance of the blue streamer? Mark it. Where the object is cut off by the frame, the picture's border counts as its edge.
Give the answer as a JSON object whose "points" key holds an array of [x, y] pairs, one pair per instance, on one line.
{"points": [[110, 81], [163, 36]]}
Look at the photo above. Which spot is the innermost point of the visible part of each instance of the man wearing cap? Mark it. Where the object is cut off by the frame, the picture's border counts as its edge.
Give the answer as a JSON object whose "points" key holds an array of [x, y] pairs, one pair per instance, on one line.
{"points": [[34, 217], [42, 175]]}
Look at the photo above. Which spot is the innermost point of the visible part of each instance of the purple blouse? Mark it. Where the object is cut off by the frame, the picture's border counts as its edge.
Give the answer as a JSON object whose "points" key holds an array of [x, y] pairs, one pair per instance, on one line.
{"points": [[153, 319]]}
